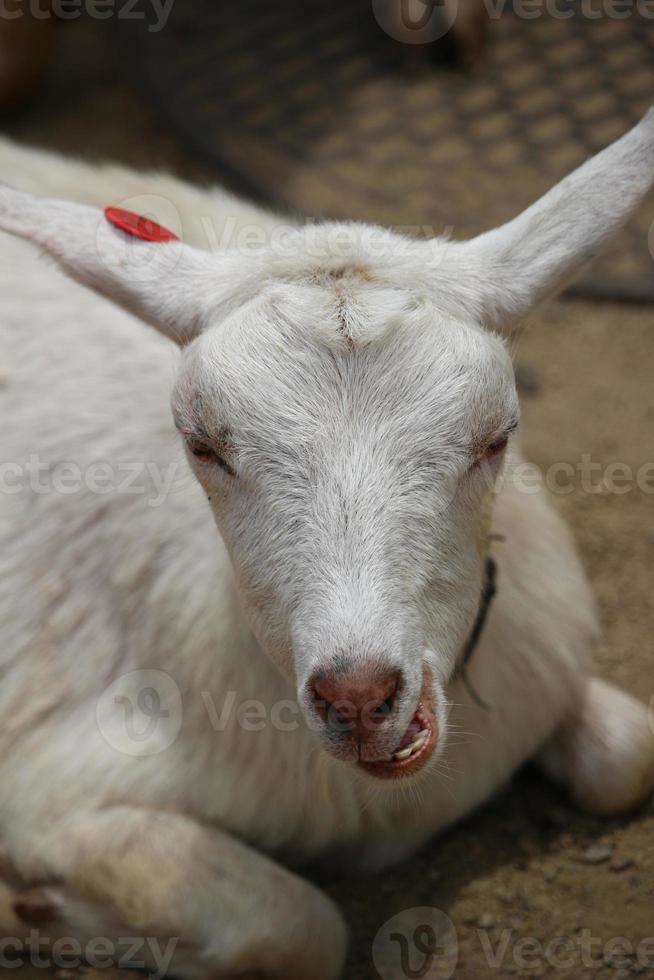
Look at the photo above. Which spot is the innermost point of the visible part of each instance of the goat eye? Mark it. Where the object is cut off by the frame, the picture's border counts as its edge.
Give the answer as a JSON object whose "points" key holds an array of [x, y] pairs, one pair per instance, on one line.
{"points": [[496, 448], [491, 451], [206, 454]]}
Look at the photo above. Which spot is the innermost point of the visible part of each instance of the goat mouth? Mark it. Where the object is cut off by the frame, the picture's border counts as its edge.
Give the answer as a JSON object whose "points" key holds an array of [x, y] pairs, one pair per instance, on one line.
{"points": [[413, 751]]}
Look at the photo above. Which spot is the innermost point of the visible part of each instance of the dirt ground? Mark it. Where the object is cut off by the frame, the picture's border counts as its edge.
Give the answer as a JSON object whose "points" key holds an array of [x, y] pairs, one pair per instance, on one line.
{"points": [[527, 866]]}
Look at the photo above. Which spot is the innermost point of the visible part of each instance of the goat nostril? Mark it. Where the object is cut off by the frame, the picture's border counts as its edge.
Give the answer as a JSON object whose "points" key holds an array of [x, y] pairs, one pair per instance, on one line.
{"points": [[384, 709], [356, 699], [339, 717]]}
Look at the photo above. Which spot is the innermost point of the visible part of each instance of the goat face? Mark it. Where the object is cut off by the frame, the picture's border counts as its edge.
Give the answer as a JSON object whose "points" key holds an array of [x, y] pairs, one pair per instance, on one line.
{"points": [[347, 433], [342, 411]]}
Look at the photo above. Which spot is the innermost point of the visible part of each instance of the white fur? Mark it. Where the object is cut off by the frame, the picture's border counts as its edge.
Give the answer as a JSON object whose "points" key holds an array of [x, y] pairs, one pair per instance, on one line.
{"points": [[357, 383]]}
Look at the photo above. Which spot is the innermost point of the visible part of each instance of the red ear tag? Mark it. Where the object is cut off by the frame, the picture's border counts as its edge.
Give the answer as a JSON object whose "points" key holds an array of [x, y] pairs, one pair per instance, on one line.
{"points": [[138, 226]]}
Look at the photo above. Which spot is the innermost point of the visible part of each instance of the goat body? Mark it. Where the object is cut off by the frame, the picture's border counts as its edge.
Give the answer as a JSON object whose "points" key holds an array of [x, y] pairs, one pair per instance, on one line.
{"points": [[160, 745]]}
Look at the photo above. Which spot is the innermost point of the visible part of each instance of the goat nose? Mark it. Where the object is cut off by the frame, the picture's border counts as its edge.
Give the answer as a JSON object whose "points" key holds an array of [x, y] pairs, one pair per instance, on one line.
{"points": [[358, 701]]}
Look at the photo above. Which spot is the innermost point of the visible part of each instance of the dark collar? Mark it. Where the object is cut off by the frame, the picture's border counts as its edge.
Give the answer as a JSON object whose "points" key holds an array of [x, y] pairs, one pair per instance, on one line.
{"points": [[488, 594]]}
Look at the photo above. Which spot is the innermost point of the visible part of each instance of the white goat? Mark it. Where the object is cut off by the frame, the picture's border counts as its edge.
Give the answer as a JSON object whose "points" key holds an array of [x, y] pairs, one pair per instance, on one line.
{"points": [[344, 404]]}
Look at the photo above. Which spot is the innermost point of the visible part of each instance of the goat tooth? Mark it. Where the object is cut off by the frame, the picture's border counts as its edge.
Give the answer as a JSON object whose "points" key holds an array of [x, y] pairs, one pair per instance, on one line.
{"points": [[414, 746], [418, 743]]}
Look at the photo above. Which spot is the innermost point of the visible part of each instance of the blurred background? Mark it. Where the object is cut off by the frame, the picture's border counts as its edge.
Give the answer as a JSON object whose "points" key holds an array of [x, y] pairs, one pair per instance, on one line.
{"points": [[432, 118], [336, 109]]}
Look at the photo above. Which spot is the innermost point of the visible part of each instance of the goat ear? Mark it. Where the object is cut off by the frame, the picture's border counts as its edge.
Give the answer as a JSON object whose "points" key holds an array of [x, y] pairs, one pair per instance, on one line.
{"points": [[521, 262], [157, 281]]}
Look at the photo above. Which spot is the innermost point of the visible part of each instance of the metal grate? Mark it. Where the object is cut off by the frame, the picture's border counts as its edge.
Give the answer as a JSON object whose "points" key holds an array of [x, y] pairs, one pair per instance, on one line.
{"points": [[313, 106]]}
